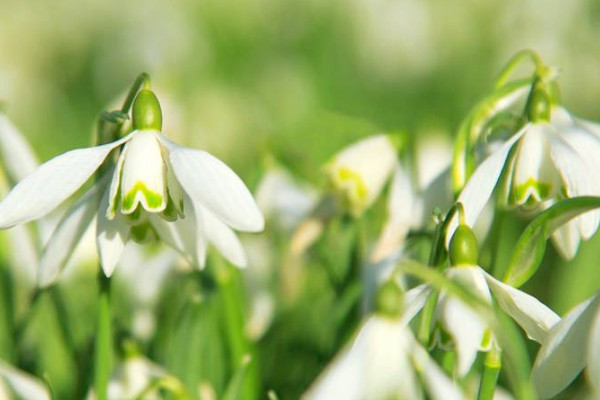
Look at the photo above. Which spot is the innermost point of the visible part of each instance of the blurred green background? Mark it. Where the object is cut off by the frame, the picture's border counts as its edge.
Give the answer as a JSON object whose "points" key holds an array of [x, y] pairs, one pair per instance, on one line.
{"points": [[299, 80]]}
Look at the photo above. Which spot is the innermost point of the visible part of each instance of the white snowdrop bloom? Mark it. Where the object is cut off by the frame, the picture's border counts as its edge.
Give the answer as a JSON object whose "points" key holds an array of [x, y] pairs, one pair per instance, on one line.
{"points": [[359, 172], [134, 377], [384, 360], [469, 332], [185, 197], [544, 161], [572, 345], [16, 384]]}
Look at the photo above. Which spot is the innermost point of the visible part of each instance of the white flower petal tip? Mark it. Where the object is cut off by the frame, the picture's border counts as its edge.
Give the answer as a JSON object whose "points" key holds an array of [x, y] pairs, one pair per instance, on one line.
{"points": [[359, 172], [51, 184], [208, 181], [111, 237], [534, 317], [564, 352], [223, 238], [143, 175], [24, 385], [17, 156]]}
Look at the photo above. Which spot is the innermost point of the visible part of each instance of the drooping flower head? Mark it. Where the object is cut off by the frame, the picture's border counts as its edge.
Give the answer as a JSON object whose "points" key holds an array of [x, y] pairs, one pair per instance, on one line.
{"points": [[187, 198]]}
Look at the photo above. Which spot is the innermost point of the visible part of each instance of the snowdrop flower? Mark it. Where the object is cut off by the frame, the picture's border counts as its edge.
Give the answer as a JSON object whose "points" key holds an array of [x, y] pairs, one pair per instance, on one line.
{"points": [[20, 384], [572, 345], [358, 173], [384, 360], [185, 197], [548, 159], [469, 332], [139, 378]]}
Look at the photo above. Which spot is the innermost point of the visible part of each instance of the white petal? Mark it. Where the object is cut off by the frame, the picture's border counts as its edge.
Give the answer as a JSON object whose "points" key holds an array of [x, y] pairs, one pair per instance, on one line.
{"points": [[462, 323], [186, 235], [534, 317], [209, 181], [111, 237], [566, 239], [143, 178], [401, 208], [51, 184], [480, 186], [593, 357], [438, 384], [24, 253], [563, 354], [115, 185], [16, 154], [67, 234], [222, 237], [24, 385], [414, 300], [342, 379], [578, 180], [535, 176]]}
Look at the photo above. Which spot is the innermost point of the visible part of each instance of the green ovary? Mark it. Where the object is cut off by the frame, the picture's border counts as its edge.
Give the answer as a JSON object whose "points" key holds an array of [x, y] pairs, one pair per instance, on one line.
{"points": [[154, 201]]}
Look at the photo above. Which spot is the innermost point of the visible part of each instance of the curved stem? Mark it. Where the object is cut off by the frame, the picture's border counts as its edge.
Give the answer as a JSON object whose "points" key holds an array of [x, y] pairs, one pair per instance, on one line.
{"points": [[103, 350], [515, 62], [141, 82]]}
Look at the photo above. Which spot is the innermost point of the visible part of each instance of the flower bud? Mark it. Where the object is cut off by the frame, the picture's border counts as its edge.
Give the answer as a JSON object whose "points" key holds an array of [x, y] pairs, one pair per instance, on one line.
{"points": [[390, 299], [463, 248], [147, 114]]}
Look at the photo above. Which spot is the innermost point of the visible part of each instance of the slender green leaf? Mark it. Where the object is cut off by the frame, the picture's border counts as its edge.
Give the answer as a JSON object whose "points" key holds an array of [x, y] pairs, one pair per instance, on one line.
{"points": [[531, 246]]}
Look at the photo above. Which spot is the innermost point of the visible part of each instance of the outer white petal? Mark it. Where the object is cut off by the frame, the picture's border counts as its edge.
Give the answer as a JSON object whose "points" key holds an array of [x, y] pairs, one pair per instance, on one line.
{"points": [[52, 183], [480, 186], [578, 179], [566, 239], [563, 353], [143, 180], [222, 237], [342, 379], [186, 235], [111, 237], [207, 180], [462, 323], [593, 357], [414, 300], [115, 185], [533, 316], [17, 156], [401, 209], [24, 252], [67, 234], [24, 385], [438, 384]]}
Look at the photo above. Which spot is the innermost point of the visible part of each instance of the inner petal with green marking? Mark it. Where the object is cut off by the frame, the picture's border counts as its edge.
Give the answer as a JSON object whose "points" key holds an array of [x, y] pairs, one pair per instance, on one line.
{"points": [[143, 180]]}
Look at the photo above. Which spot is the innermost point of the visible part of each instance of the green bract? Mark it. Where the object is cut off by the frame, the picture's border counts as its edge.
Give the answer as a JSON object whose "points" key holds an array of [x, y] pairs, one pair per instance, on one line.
{"points": [[463, 248]]}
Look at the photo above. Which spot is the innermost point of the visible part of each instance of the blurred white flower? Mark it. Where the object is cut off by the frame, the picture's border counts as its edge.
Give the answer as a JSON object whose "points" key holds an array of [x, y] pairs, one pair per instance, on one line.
{"points": [[139, 378], [572, 345], [544, 161], [469, 332], [20, 385], [284, 200], [358, 173], [384, 361], [184, 196]]}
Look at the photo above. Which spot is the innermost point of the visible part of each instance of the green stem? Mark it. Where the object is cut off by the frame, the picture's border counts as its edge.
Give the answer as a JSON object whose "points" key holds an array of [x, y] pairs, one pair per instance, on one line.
{"points": [[489, 378], [141, 82], [103, 351], [516, 61]]}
